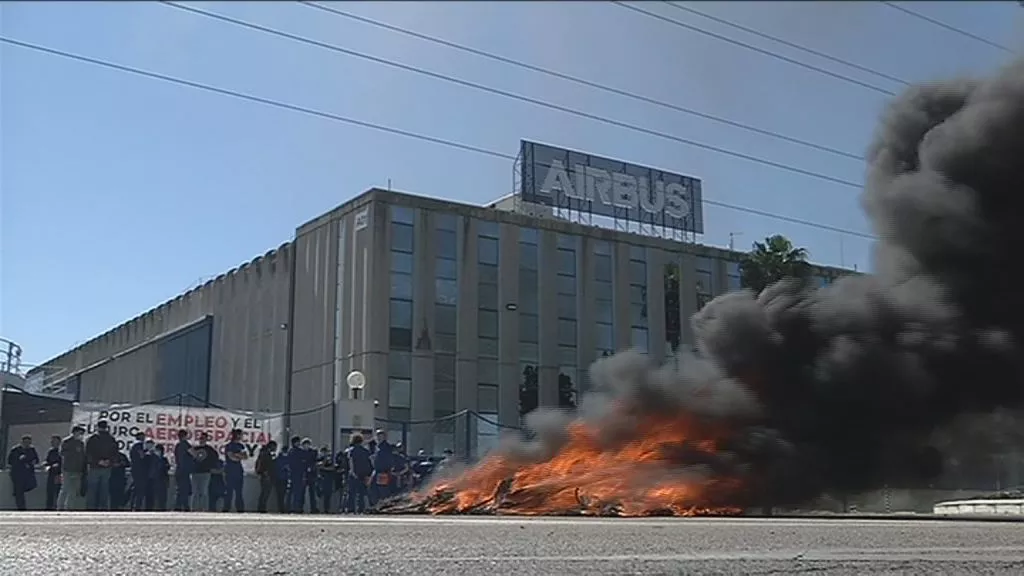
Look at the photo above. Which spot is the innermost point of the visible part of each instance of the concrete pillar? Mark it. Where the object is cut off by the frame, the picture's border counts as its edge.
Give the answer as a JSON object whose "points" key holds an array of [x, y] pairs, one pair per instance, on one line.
{"points": [[687, 297], [510, 374], [422, 436], [656, 303], [547, 288], [620, 272]]}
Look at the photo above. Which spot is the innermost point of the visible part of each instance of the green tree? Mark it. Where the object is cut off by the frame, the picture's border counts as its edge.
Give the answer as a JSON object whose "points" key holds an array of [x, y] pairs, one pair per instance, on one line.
{"points": [[772, 260]]}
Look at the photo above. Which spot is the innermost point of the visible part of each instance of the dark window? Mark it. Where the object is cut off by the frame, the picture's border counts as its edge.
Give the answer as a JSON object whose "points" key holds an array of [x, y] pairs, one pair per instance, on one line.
{"points": [[445, 243], [401, 237], [184, 365], [445, 319], [487, 321], [445, 268], [487, 250]]}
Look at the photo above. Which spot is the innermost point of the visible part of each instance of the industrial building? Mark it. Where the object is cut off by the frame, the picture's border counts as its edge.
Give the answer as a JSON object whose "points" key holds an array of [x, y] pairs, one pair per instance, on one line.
{"points": [[442, 306]]}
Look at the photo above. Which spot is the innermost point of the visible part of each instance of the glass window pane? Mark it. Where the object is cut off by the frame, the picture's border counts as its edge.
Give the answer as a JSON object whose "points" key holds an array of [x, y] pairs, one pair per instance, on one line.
{"points": [[487, 323], [602, 247], [399, 393], [529, 352], [399, 415], [444, 371], [487, 250], [603, 290], [444, 244], [488, 273], [487, 372], [487, 296], [603, 311], [487, 398], [403, 214], [488, 347], [637, 294], [637, 272], [445, 343], [732, 268], [605, 337], [446, 291], [399, 364], [566, 306], [528, 235], [528, 256], [567, 355], [603, 268], [401, 262], [704, 282], [528, 327], [488, 228], [401, 286], [401, 314], [639, 337], [638, 315], [566, 284], [529, 303], [444, 221], [703, 264], [638, 253], [401, 237], [567, 262], [566, 241], [444, 401], [444, 319], [400, 338], [445, 268], [567, 332]]}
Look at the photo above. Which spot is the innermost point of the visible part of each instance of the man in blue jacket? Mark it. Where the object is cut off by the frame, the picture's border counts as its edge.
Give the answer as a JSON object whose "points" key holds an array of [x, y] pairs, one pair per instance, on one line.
{"points": [[383, 462], [234, 453], [183, 463], [300, 460]]}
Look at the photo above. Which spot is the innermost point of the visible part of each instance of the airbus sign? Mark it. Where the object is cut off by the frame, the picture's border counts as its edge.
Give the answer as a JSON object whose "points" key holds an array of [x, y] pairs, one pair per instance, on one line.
{"points": [[565, 179]]}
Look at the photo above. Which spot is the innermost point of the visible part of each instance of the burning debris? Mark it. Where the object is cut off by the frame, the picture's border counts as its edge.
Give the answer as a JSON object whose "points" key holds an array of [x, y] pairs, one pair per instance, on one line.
{"points": [[795, 392]]}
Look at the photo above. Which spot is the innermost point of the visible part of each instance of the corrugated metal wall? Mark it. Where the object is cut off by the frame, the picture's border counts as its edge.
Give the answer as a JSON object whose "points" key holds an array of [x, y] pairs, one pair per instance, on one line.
{"points": [[246, 354]]}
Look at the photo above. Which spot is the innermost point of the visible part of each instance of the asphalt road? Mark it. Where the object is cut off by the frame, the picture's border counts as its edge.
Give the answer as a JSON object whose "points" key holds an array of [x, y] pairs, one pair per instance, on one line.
{"points": [[40, 543]]}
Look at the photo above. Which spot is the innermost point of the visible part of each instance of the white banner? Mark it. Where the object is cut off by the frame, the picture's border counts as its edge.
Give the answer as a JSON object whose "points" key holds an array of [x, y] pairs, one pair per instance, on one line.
{"points": [[161, 424]]}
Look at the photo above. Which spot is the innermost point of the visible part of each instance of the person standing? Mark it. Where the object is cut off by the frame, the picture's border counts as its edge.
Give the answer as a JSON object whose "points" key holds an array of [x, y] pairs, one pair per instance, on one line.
{"points": [[206, 460], [360, 470], [119, 496], [234, 475], [183, 465], [281, 476], [22, 461], [101, 456], [327, 472], [265, 471], [72, 457], [140, 473], [159, 473], [53, 473], [383, 460]]}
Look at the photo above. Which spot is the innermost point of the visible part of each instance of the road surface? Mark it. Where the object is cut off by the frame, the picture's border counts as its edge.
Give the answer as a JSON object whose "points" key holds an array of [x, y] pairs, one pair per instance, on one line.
{"points": [[40, 543]]}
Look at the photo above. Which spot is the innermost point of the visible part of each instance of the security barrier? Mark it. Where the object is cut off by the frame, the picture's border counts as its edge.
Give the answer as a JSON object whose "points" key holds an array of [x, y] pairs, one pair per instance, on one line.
{"points": [[981, 507]]}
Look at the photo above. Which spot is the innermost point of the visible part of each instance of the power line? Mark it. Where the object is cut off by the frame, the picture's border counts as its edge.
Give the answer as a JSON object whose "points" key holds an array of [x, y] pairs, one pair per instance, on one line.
{"points": [[373, 126], [577, 80], [514, 96], [941, 24], [751, 47], [784, 42]]}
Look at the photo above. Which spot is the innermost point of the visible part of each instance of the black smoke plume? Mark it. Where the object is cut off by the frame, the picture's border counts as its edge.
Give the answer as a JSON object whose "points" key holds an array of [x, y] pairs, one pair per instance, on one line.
{"points": [[844, 387]]}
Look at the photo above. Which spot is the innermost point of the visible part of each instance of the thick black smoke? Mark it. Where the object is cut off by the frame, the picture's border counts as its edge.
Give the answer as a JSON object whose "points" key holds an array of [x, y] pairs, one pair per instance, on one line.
{"points": [[842, 388]]}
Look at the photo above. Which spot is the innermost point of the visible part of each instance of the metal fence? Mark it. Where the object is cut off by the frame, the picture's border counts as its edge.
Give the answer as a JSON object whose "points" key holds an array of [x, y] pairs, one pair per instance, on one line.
{"points": [[468, 434]]}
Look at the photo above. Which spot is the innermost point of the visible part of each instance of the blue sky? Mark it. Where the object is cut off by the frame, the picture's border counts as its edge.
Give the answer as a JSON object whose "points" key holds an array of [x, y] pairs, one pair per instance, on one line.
{"points": [[119, 192]]}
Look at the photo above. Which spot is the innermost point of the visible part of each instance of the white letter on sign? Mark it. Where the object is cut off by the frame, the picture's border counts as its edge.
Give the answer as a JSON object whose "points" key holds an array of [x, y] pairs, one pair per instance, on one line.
{"points": [[625, 191], [557, 180], [653, 203], [675, 201], [599, 185]]}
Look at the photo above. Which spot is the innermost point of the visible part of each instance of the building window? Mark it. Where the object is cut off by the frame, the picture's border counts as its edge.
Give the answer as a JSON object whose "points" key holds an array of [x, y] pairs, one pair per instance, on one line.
{"points": [[704, 281], [604, 299], [402, 270], [446, 282], [399, 393], [529, 324], [444, 401], [487, 430], [732, 273], [487, 289], [673, 314], [566, 309], [638, 298]]}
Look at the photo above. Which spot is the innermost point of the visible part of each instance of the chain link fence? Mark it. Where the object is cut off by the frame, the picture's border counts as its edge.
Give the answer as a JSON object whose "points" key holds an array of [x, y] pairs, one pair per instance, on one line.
{"points": [[468, 434]]}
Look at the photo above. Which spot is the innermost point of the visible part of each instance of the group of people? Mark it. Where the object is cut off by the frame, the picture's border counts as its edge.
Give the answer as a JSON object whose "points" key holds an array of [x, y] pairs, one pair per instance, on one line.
{"points": [[93, 474]]}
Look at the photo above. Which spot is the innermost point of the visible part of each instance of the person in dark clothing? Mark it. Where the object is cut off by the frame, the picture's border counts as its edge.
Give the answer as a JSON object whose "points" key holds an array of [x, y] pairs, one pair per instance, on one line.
{"points": [[119, 482], [341, 476], [216, 487], [72, 464], [266, 473], [53, 473], [183, 464], [281, 477], [101, 455], [360, 469], [205, 459], [300, 462], [21, 462], [327, 473], [234, 475], [422, 467], [312, 476], [381, 484], [159, 471], [142, 491], [399, 470]]}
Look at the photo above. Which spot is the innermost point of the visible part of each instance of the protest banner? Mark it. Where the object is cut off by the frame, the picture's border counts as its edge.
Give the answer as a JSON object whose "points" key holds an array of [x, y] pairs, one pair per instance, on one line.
{"points": [[161, 424]]}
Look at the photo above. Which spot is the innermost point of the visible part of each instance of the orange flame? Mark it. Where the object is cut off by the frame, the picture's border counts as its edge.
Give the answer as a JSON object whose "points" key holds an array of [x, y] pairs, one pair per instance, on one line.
{"points": [[637, 477]]}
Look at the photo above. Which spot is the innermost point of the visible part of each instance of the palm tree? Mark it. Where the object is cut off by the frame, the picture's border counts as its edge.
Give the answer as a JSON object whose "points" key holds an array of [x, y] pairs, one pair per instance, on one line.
{"points": [[772, 260]]}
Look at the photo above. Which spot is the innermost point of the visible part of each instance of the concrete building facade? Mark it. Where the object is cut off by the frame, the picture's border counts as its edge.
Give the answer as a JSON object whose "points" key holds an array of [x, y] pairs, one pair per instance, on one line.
{"points": [[444, 307]]}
